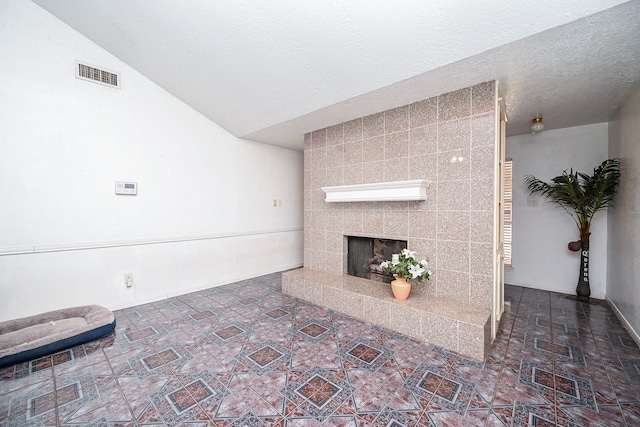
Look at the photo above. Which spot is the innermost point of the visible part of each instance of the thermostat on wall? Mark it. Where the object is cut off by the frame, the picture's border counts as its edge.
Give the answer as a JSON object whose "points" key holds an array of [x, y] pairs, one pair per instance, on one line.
{"points": [[126, 187]]}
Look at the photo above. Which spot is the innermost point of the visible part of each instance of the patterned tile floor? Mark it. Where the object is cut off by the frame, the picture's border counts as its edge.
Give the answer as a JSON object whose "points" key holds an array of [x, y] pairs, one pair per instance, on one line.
{"points": [[247, 355]]}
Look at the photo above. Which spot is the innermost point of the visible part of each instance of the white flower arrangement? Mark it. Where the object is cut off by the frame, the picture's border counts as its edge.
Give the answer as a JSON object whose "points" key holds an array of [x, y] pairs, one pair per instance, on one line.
{"points": [[405, 264]]}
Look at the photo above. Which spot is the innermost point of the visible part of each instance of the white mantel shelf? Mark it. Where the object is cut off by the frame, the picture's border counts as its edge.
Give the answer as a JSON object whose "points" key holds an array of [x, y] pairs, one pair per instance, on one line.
{"points": [[378, 192]]}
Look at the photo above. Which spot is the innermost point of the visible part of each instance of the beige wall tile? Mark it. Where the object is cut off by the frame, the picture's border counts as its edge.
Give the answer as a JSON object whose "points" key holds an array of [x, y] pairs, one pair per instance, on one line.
{"points": [[335, 242], [352, 222], [353, 152], [441, 331], [308, 164], [425, 249], [454, 135], [345, 302], [319, 138], [432, 198], [335, 215], [333, 263], [317, 200], [481, 258], [481, 162], [373, 125], [454, 105], [335, 155], [396, 224], [353, 174], [318, 158], [483, 130], [319, 240], [307, 239], [471, 340], [353, 130], [307, 141], [406, 322], [396, 169], [453, 256], [481, 226], [483, 97], [335, 134], [318, 178], [481, 290], [379, 311], [423, 113], [396, 120], [425, 289], [308, 252], [424, 167], [423, 224], [372, 223], [453, 195], [423, 140], [373, 172], [373, 149], [395, 206], [319, 220], [453, 225], [307, 180], [396, 145], [482, 190], [453, 284], [335, 176], [453, 165]]}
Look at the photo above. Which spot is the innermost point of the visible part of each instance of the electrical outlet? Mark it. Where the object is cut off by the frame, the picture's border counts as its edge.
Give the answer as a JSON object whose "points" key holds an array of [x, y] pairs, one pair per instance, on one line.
{"points": [[128, 279]]}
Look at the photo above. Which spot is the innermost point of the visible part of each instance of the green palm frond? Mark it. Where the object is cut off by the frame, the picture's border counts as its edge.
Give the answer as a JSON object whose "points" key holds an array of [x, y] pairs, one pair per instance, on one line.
{"points": [[579, 194]]}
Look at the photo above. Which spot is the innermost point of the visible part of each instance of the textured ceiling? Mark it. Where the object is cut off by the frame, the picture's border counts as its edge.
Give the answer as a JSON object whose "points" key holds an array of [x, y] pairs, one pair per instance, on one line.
{"points": [[271, 71]]}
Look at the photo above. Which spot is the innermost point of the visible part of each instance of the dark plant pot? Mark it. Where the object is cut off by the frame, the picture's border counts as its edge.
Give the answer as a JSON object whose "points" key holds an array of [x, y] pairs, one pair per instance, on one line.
{"points": [[574, 246], [583, 290]]}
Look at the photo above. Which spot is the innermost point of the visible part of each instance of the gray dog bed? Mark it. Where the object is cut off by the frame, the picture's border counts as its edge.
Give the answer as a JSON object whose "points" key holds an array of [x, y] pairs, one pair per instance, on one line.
{"points": [[36, 336]]}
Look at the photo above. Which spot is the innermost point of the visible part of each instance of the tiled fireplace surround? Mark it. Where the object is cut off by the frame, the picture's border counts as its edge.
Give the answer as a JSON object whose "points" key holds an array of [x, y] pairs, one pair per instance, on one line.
{"points": [[448, 140]]}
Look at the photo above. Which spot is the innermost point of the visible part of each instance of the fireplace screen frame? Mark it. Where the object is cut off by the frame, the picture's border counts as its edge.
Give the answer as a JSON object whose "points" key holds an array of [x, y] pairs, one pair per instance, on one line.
{"points": [[365, 254]]}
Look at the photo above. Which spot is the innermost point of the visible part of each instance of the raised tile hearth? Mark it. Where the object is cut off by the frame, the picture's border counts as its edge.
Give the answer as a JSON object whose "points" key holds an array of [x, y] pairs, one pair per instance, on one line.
{"points": [[458, 327]]}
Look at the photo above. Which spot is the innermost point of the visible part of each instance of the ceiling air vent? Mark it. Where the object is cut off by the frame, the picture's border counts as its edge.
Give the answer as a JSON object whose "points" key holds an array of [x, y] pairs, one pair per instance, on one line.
{"points": [[96, 75]]}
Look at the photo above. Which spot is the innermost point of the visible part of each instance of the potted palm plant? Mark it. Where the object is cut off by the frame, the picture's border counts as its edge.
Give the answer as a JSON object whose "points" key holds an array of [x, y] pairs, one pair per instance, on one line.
{"points": [[581, 196]]}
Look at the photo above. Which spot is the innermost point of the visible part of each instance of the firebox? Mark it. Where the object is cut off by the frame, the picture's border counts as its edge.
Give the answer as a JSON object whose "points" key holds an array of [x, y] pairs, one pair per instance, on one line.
{"points": [[365, 254]]}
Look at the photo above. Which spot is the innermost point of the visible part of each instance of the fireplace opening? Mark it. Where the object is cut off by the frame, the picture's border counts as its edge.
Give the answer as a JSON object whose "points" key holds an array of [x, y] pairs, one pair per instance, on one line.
{"points": [[365, 254]]}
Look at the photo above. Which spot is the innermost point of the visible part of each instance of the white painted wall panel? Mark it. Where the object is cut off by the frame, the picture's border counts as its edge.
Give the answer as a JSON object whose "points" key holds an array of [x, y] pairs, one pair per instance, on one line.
{"points": [[623, 279], [63, 144], [541, 233]]}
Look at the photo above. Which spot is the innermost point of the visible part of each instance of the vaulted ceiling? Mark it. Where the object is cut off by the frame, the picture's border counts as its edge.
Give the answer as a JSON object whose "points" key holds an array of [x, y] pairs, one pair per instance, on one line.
{"points": [[272, 70]]}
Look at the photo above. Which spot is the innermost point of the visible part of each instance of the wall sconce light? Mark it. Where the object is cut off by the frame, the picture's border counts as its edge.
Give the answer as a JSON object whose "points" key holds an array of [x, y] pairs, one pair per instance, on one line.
{"points": [[536, 125]]}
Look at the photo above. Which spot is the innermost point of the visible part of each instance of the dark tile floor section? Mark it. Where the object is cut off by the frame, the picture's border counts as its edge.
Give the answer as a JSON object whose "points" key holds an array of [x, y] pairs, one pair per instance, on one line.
{"points": [[247, 355]]}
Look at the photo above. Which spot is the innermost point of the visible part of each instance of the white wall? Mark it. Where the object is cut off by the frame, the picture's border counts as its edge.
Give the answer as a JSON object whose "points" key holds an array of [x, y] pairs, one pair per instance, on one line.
{"points": [[203, 215], [623, 278], [541, 233]]}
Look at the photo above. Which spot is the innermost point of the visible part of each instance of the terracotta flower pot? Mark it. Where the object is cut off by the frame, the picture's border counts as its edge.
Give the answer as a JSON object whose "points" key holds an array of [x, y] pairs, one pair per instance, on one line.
{"points": [[401, 288]]}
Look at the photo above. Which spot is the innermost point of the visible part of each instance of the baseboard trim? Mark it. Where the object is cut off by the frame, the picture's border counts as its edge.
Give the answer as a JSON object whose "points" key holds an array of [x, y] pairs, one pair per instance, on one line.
{"points": [[202, 286], [569, 290], [634, 334]]}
